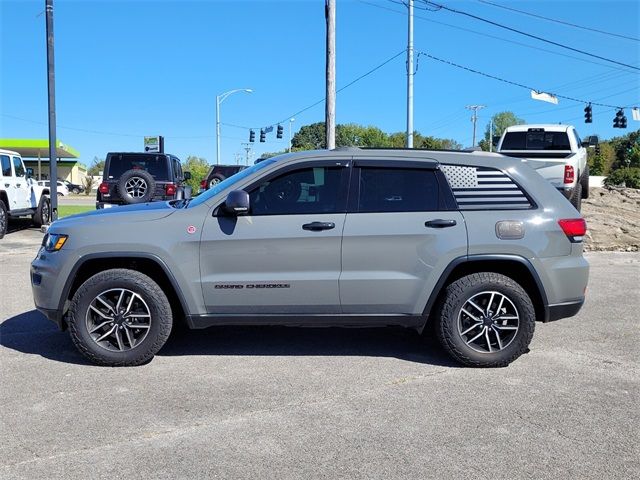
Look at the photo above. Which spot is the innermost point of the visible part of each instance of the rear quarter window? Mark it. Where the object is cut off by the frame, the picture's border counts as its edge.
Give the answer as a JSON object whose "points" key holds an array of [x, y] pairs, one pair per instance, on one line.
{"points": [[480, 188]]}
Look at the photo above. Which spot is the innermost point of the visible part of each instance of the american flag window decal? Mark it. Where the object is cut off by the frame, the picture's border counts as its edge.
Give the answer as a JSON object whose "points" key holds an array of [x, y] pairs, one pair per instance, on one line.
{"points": [[480, 188]]}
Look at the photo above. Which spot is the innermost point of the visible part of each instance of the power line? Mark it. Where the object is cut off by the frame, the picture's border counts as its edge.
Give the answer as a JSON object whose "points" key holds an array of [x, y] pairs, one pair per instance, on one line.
{"points": [[562, 22], [447, 62], [511, 29], [491, 36]]}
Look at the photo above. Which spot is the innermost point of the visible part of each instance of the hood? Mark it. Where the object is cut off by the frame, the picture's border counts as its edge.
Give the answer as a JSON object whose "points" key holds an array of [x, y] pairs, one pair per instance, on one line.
{"points": [[142, 212]]}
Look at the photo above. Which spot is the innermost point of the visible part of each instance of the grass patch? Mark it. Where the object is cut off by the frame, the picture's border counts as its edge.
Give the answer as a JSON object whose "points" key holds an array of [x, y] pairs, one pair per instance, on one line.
{"points": [[66, 210]]}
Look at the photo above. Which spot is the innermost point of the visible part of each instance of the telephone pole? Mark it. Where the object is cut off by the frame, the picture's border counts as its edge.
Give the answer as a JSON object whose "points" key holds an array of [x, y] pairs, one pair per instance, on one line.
{"points": [[330, 102], [410, 74], [51, 85], [474, 119]]}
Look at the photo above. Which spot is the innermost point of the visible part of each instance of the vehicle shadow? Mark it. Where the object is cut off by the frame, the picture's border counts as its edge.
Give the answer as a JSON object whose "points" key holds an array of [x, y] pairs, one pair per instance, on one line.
{"points": [[18, 224], [31, 333]]}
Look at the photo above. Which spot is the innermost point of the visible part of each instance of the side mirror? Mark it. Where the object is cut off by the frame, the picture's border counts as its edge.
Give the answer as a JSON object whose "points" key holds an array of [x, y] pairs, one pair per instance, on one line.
{"points": [[237, 202], [29, 172], [495, 140], [187, 175]]}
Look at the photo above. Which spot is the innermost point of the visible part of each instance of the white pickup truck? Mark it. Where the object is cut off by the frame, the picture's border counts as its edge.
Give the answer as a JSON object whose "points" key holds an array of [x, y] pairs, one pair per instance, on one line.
{"points": [[20, 195], [556, 152]]}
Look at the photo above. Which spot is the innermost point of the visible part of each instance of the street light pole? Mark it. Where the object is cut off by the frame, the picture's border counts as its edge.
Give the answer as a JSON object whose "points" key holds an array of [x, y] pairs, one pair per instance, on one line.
{"points": [[219, 99], [291, 120]]}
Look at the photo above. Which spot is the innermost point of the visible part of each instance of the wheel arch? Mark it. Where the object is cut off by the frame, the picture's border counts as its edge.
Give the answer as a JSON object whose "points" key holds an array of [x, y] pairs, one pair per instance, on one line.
{"points": [[5, 198], [149, 264], [515, 267]]}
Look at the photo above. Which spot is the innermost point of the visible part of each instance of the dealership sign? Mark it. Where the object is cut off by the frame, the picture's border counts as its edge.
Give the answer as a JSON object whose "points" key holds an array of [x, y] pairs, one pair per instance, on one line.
{"points": [[154, 144]]}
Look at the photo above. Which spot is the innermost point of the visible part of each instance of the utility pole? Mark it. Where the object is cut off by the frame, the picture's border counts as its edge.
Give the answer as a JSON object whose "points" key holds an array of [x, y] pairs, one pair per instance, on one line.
{"points": [[51, 84], [491, 135], [474, 119], [247, 149], [291, 120], [410, 74], [330, 102]]}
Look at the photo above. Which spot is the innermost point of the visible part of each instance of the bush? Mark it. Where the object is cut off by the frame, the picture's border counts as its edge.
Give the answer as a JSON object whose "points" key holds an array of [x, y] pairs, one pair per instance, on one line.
{"points": [[630, 177]]}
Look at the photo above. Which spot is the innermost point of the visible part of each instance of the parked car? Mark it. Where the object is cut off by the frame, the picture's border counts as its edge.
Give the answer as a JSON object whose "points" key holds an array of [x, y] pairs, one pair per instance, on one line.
{"points": [[20, 195], [73, 187], [131, 178], [62, 189], [345, 237], [218, 173], [556, 152]]}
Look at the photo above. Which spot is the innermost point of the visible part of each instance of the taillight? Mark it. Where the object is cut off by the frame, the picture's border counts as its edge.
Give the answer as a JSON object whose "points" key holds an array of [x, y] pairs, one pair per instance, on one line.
{"points": [[104, 187], [203, 184], [573, 228], [569, 174], [170, 189]]}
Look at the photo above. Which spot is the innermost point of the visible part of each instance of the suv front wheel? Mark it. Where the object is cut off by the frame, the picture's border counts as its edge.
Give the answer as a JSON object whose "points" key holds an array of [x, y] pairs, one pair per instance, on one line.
{"points": [[486, 320], [119, 317]]}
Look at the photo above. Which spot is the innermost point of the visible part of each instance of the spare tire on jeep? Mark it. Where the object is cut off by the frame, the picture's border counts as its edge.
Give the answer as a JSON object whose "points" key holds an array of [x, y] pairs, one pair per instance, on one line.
{"points": [[136, 186]]}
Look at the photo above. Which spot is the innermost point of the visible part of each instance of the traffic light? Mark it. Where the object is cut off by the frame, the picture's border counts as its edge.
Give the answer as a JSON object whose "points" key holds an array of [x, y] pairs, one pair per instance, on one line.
{"points": [[588, 117], [598, 150], [617, 121], [279, 131], [623, 121], [263, 136], [252, 136]]}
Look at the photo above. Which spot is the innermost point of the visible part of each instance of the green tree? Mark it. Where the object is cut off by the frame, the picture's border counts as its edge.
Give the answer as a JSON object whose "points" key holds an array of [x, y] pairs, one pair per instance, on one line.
{"points": [[310, 137], [97, 166], [198, 167], [501, 121]]}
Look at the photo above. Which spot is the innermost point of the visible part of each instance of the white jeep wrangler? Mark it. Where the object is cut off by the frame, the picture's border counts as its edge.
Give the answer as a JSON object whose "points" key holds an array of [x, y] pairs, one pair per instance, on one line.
{"points": [[556, 152], [20, 195]]}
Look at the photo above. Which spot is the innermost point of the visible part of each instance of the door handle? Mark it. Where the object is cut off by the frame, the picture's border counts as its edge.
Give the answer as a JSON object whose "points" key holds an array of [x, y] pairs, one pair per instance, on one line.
{"points": [[7, 185], [18, 184], [440, 223], [318, 226]]}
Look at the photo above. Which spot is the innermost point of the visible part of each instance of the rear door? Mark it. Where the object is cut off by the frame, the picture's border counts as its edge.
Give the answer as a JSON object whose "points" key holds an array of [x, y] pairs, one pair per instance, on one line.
{"points": [[8, 181], [284, 257], [23, 189], [401, 231]]}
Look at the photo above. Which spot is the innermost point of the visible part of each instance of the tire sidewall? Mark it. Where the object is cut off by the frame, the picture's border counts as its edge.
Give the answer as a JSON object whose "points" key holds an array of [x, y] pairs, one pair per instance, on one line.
{"points": [[449, 324], [80, 334], [39, 219], [128, 175], [576, 199], [4, 215]]}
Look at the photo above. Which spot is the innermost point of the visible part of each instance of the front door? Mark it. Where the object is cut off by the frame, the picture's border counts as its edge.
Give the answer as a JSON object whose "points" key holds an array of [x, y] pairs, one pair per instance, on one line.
{"points": [[284, 256], [23, 190]]}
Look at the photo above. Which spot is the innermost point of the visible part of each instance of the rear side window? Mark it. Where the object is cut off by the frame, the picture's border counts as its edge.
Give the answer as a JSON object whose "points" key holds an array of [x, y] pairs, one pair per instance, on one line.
{"points": [[18, 167], [156, 165], [397, 190], [479, 188], [5, 161], [536, 140]]}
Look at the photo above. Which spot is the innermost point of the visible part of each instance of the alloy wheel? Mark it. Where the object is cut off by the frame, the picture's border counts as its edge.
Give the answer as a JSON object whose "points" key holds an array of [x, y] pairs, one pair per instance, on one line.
{"points": [[118, 319], [488, 322], [136, 187]]}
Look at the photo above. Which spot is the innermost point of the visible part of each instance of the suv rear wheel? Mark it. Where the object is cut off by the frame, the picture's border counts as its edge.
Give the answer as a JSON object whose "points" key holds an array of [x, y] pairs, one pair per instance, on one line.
{"points": [[486, 320], [119, 317], [43, 213]]}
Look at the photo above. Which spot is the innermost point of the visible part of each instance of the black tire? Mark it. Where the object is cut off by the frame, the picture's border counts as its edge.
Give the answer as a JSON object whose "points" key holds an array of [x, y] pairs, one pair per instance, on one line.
{"points": [[136, 186], [80, 319], [4, 219], [584, 180], [76, 191], [43, 212], [216, 179], [576, 197], [452, 317]]}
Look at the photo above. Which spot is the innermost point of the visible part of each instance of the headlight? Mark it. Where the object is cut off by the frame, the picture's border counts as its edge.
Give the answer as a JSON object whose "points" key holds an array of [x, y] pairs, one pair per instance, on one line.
{"points": [[52, 242]]}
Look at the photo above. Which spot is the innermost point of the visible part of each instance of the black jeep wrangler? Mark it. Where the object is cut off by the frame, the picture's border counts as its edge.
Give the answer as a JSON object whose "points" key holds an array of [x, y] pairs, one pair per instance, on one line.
{"points": [[141, 177]]}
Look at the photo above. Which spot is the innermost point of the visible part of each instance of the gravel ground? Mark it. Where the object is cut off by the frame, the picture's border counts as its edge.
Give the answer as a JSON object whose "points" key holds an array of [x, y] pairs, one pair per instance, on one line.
{"points": [[613, 219], [323, 403]]}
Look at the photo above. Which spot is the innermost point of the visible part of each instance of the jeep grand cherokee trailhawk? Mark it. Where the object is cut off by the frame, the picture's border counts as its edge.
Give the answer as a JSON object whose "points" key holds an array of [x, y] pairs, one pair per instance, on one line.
{"points": [[480, 245]]}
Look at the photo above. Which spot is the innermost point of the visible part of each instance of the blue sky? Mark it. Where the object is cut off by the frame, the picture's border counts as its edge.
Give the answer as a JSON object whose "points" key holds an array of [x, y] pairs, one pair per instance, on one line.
{"points": [[125, 69]]}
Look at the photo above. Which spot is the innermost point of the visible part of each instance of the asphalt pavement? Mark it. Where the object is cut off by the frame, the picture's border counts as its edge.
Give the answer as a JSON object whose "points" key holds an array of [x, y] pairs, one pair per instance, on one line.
{"points": [[291, 403]]}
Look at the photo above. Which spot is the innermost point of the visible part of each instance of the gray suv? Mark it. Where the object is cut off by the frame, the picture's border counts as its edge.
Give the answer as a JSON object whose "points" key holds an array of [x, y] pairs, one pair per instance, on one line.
{"points": [[476, 245]]}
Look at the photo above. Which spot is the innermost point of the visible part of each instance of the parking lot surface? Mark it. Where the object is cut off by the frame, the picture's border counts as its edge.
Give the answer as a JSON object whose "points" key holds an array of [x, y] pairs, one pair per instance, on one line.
{"points": [[323, 403]]}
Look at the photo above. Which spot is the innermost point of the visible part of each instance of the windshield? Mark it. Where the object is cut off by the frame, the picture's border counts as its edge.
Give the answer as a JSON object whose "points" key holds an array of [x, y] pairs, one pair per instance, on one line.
{"points": [[238, 177]]}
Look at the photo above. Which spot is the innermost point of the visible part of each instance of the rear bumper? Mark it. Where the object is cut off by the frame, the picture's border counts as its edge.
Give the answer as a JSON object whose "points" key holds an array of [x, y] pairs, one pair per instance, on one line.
{"points": [[563, 310]]}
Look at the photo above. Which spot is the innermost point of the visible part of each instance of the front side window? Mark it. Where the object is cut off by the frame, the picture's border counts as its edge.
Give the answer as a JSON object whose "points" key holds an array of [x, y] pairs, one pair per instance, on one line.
{"points": [[304, 191], [6, 165], [398, 190], [18, 167]]}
